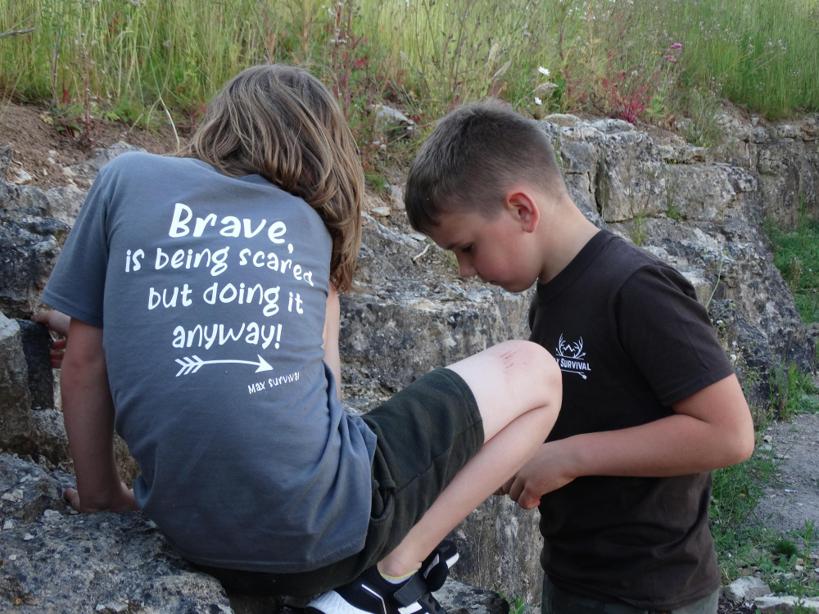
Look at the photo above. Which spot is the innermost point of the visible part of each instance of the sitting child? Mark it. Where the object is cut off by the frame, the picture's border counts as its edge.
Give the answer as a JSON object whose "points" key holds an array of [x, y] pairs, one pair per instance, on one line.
{"points": [[204, 326]]}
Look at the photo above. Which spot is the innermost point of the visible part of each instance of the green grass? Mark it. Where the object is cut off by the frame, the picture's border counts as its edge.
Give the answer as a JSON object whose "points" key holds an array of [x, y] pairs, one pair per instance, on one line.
{"points": [[743, 547], [792, 392], [736, 492], [782, 561], [753, 53], [133, 59], [796, 254]]}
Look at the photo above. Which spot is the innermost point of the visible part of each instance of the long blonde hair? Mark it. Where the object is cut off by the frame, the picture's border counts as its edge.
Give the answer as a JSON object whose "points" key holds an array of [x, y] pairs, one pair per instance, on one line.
{"points": [[282, 123]]}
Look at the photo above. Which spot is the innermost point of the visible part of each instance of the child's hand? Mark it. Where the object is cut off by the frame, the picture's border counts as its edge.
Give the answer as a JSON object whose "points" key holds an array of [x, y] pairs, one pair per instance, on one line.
{"points": [[57, 323], [122, 500], [545, 472]]}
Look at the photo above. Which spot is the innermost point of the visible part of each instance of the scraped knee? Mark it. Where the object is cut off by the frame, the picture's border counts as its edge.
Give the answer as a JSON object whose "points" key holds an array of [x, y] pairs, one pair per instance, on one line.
{"points": [[529, 366]]}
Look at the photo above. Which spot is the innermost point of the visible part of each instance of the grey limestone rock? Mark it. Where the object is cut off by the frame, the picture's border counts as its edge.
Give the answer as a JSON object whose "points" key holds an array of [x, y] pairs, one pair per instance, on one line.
{"points": [[54, 560], [459, 598], [391, 123], [5, 159], [746, 588], [784, 155], [64, 202], [36, 343], [28, 422], [31, 242], [15, 398], [786, 605], [700, 210]]}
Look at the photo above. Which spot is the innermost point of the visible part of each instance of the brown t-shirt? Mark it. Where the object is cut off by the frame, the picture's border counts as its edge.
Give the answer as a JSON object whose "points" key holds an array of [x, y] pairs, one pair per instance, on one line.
{"points": [[631, 340]]}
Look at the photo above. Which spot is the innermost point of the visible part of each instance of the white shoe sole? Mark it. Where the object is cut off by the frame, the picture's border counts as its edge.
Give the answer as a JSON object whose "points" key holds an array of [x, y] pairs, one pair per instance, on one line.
{"points": [[333, 603]]}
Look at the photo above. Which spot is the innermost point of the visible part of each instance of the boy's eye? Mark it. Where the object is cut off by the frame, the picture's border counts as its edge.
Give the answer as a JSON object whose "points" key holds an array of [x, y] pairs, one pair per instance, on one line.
{"points": [[466, 249]]}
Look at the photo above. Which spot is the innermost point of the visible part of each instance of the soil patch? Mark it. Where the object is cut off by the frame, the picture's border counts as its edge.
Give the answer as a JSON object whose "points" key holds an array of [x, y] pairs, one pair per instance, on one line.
{"points": [[43, 148], [793, 497]]}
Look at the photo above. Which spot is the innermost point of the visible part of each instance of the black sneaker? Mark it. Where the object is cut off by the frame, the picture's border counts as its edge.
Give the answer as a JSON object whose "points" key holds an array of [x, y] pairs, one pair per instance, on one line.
{"points": [[372, 594], [436, 566]]}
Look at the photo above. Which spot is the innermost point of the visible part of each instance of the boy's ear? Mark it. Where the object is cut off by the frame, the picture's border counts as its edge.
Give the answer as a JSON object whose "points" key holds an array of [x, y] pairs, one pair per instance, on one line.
{"points": [[524, 209]]}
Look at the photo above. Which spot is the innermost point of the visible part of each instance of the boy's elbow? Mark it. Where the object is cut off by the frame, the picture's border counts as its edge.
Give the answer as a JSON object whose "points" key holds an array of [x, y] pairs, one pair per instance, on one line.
{"points": [[84, 351], [745, 447], [83, 362], [740, 447]]}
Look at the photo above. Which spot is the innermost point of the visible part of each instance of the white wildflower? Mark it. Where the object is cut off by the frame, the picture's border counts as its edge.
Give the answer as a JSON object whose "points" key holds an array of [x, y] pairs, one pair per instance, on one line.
{"points": [[538, 101], [543, 71]]}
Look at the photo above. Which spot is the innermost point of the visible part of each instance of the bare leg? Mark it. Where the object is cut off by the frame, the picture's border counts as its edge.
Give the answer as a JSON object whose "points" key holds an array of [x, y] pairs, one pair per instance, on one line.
{"points": [[518, 389]]}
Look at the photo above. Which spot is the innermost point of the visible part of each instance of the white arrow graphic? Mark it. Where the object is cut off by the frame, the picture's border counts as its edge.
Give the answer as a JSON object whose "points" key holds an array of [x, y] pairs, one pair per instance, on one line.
{"points": [[191, 364]]}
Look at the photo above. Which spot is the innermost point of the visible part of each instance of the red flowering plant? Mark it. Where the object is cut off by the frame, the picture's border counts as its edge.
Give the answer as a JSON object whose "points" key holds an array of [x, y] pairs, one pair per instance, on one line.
{"points": [[629, 94]]}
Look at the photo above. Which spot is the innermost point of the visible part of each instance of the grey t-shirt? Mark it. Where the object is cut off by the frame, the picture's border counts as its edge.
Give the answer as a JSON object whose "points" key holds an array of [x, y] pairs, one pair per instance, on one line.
{"points": [[211, 292]]}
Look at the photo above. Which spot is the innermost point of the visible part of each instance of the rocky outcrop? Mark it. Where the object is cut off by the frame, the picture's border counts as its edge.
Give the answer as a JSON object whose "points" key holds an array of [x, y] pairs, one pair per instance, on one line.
{"points": [[31, 241], [699, 209], [704, 215], [28, 422], [752, 593], [783, 155], [55, 560], [15, 400]]}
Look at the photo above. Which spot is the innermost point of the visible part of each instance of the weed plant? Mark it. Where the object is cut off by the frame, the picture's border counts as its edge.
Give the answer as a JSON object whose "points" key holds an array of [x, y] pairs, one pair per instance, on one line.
{"points": [[783, 562], [792, 393], [145, 60], [796, 254], [744, 546]]}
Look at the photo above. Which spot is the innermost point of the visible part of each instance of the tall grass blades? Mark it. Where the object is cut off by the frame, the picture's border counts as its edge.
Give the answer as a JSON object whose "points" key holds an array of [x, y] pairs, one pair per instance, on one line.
{"points": [[762, 54], [796, 254], [636, 59], [127, 56]]}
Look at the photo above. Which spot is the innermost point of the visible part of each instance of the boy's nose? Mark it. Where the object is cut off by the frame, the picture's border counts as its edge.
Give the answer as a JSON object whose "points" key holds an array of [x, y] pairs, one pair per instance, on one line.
{"points": [[465, 268]]}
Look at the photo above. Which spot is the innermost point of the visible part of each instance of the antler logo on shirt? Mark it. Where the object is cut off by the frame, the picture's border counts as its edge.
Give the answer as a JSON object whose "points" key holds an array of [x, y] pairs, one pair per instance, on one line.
{"points": [[571, 357]]}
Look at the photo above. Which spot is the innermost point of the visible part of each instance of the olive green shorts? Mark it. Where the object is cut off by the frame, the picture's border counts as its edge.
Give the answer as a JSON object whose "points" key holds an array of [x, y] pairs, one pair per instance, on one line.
{"points": [[425, 434]]}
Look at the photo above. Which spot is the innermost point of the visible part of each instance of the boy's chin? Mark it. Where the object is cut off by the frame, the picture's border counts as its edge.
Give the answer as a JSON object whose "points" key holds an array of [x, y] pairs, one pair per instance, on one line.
{"points": [[514, 286]]}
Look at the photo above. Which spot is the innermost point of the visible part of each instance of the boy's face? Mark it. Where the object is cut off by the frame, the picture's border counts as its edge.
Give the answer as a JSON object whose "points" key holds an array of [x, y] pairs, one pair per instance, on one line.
{"points": [[497, 249]]}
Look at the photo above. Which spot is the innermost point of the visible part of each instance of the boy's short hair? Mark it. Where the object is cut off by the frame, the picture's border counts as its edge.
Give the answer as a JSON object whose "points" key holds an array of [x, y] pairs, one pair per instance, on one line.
{"points": [[282, 123], [470, 160]]}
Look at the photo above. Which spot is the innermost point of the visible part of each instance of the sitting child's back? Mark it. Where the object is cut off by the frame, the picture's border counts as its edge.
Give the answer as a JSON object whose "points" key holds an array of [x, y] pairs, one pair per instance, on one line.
{"points": [[207, 274]]}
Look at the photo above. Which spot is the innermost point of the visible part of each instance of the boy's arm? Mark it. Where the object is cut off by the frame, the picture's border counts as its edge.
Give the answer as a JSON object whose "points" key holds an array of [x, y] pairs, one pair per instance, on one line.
{"points": [[332, 324], [712, 428], [88, 412]]}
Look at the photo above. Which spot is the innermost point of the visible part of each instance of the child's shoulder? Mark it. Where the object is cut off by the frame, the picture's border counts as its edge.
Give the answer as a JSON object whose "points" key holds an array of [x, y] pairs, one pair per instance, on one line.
{"points": [[617, 267], [612, 259], [624, 252], [619, 255], [137, 160]]}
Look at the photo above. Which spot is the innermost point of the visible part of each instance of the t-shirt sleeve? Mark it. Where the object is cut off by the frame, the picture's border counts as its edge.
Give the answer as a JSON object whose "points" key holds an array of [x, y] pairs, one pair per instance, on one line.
{"points": [[77, 283], [668, 334]]}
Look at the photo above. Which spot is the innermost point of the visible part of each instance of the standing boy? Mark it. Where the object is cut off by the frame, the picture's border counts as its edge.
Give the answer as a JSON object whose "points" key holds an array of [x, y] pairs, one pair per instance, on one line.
{"points": [[651, 403]]}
